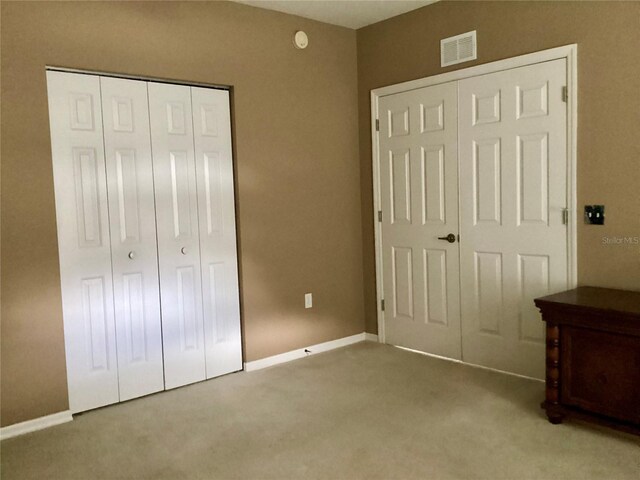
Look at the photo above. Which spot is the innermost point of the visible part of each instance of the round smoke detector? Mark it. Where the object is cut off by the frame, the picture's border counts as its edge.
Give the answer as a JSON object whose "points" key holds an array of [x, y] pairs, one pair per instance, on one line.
{"points": [[300, 39]]}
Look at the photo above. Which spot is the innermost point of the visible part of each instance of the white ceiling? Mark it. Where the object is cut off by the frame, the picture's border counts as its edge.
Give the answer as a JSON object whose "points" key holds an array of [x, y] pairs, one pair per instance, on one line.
{"points": [[346, 13]]}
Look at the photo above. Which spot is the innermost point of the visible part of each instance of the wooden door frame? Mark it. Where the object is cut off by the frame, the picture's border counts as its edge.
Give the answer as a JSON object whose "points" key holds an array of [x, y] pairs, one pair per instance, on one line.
{"points": [[567, 52]]}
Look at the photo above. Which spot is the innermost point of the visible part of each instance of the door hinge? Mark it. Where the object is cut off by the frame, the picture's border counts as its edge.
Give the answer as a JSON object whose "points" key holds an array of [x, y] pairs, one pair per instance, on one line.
{"points": [[565, 94], [377, 125], [382, 304], [379, 215], [565, 216]]}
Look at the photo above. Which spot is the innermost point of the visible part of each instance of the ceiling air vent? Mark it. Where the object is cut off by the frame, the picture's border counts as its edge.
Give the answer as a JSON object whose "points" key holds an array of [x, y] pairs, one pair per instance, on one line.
{"points": [[458, 49]]}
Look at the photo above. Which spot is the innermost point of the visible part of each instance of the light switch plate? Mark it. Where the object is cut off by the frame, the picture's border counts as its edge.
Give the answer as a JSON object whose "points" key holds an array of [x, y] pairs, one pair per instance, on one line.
{"points": [[308, 300]]}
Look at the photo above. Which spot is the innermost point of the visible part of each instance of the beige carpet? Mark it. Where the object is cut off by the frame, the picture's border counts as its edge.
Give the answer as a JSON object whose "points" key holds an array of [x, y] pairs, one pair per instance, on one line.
{"points": [[365, 411]]}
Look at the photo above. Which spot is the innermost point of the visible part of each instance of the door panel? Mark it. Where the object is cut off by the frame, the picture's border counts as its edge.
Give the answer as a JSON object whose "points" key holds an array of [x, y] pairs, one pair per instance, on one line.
{"points": [[133, 236], [533, 271], [432, 178], [178, 236], [486, 181], [83, 239], [488, 291], [400, 185], [402, 282], [217, 224], [513, 164], [435, 292], [419, 194]]}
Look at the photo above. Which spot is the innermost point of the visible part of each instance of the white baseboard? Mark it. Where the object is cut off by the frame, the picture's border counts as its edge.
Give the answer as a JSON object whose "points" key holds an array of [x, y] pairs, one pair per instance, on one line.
{"points": [[312, 350], [35, 424]]}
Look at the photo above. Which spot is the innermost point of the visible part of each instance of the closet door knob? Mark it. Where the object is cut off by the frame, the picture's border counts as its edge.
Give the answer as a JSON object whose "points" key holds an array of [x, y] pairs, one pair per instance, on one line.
{"points": [[183, 250], [449, 238], [132, 255]]}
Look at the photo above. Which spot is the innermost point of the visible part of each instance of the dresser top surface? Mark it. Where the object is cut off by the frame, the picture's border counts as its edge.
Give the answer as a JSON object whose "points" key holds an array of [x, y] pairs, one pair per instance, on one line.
{"points": [[595, 298]]}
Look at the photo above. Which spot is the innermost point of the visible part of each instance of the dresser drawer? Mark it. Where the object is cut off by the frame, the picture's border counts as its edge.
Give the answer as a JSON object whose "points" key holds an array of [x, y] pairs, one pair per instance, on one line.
{"points": [[601, 372]]}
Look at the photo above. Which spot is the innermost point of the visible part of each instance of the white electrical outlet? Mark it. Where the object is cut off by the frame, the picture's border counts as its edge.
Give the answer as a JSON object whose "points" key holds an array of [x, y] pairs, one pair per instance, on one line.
{"points": [[308, 300]]}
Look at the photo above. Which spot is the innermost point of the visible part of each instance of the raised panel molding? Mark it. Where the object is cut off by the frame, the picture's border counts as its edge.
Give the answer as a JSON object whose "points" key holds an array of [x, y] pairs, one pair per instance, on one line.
{"points": [[87, 197], [402, 258], [398, 122], [213, 192], [128, 206], [486, 108], [217, 283], [81, 110], [122, 109], [400, 187], [134, 317], [176, 124], [532, 101], [488, 291], [187, 317], [534, 282], [180, 194], [209, 118], [533, 179], [94, 313], [432, 117], [434, 265], [433, 189], [487, 182]]}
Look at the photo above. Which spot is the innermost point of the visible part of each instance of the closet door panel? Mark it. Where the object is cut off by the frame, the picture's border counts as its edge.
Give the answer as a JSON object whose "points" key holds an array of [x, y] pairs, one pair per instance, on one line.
{"points": [[178, 235], [133, 236], [513, 191], [83, 239], [216, 207], [419, 202]]}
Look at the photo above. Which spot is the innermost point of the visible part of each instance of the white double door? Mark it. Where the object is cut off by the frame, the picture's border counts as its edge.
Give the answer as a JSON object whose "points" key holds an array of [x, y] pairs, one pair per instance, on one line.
{"points": [[482, 161], [146, 231]]}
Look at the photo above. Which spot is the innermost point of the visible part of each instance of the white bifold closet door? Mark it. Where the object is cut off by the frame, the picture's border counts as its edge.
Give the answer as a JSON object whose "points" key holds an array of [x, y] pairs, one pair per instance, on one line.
{"points": [[196, 232], [144, 188], [83, 239], [133, 236], [217, 220], [178, 233]]}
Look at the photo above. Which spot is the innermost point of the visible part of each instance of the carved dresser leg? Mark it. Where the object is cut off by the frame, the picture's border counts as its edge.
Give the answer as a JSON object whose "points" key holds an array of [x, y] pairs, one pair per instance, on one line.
{"points": [[552, 393]]}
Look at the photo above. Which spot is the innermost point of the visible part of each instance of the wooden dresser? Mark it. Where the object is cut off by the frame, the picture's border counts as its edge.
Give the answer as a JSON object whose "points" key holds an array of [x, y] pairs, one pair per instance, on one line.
{"points": [[593, 355]]}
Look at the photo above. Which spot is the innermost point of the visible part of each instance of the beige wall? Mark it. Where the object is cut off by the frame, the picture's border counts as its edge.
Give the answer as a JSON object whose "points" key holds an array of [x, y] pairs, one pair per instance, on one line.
{"points": [[608, 34], [298, 184]]}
